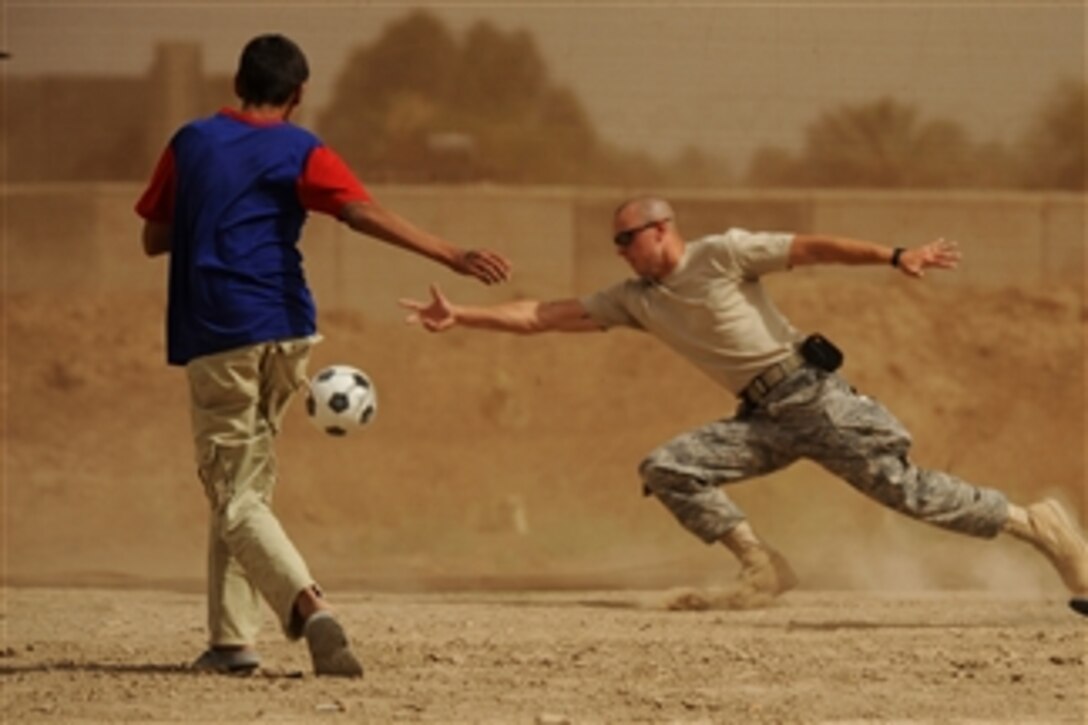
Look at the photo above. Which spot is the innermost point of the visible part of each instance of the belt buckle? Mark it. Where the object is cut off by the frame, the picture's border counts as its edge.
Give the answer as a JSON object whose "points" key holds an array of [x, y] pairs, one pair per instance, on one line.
{"points": [[756, 389], [761, 385]]}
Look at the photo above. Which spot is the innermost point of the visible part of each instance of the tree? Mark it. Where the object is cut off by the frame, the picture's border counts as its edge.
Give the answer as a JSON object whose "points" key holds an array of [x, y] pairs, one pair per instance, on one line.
{"points": [[881, 144], [417, 105], [500, 75], [1053, 149], [694, 167], [775, 166], [390, 95]]}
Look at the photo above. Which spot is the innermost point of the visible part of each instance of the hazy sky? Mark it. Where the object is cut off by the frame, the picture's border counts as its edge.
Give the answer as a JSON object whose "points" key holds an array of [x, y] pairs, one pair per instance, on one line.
{"points": [[727, 76]]}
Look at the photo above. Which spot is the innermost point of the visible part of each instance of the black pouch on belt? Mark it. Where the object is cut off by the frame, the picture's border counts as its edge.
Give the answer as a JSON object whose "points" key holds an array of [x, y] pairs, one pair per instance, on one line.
{"points": [[821, 353]]}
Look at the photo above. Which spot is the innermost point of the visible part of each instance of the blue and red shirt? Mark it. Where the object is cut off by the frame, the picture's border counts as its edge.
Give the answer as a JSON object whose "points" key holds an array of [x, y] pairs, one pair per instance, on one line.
{"points": [[235, 192]]}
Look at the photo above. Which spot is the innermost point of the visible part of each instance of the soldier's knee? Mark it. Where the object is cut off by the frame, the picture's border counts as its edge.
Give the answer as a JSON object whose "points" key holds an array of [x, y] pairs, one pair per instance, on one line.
{"points": [[659, 474], [649, 467]]}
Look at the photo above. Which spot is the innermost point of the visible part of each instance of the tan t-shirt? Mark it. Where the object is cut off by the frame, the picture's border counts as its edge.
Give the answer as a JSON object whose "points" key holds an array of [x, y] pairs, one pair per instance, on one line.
{"points": [[712, 308]]}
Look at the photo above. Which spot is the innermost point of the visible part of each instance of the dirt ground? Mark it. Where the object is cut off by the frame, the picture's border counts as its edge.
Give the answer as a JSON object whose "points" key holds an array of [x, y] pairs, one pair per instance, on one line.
{"points": [[488, 543], [561, 657]]}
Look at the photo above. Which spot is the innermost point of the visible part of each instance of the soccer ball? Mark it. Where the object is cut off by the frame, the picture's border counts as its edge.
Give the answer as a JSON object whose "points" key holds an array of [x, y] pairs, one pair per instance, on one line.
{"points": [[341, 399]]}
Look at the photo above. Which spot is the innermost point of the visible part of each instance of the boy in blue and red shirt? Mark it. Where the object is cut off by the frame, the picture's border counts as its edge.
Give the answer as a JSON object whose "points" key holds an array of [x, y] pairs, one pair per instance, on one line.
{"points": [[227, 202]]}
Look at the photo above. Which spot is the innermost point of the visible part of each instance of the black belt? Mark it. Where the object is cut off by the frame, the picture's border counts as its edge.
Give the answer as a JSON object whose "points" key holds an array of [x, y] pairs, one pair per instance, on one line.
{"points": [[761, 385]]}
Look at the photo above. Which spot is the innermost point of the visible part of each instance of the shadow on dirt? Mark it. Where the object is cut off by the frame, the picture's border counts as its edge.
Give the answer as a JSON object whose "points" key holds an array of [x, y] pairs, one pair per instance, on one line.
{"points": [[121, 668]]}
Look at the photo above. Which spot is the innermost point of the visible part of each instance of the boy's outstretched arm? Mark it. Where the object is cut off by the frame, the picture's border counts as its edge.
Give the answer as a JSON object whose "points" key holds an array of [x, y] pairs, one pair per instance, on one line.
{"points": [[523, 317], [376, 221]]}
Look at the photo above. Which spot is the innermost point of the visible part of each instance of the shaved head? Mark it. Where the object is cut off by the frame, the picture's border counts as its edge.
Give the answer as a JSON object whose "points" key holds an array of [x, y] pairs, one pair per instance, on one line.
{"points": [[643, 209]]}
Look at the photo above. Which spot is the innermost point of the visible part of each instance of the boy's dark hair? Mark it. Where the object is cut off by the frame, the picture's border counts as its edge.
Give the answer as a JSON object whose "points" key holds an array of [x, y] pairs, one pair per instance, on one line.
{"points": [[271, 70]]}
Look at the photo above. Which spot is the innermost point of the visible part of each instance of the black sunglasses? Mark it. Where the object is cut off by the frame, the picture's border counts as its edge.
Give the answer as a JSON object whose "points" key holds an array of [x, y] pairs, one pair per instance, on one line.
{"points": [[627, 236]]}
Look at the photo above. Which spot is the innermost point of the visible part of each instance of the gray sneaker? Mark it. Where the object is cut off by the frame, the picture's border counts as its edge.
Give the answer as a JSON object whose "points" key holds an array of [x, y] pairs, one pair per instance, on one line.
{"points": [[329, 647], [227, 661], [1059, 539]]}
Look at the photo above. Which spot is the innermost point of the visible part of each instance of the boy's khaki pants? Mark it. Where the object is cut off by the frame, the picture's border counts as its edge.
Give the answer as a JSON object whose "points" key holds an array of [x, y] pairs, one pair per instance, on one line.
{"points": [[238, 401]]}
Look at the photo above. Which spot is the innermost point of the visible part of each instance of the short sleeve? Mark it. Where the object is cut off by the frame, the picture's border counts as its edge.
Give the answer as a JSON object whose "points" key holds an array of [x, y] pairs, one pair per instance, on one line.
{"points": [[758, 253], [327, 184], [608, 309], [157, 202]]}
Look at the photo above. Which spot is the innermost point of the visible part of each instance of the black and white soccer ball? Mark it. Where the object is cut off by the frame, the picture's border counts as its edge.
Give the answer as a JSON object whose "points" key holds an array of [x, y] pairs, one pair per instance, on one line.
{"points": [[342, 399]]}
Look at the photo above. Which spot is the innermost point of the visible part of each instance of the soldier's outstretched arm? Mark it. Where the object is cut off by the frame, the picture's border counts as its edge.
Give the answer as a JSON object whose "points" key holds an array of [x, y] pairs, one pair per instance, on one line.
{"points": [[523, 317], [913, 261]]}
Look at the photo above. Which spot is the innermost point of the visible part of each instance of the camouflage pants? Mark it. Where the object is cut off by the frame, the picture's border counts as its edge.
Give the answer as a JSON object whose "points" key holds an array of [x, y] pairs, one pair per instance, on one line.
{"points": [[818, 416]]}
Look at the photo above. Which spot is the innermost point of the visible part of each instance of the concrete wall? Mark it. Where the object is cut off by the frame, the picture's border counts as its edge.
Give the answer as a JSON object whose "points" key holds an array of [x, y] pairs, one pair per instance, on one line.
{"points": [[1008, 238], [86, 237]]}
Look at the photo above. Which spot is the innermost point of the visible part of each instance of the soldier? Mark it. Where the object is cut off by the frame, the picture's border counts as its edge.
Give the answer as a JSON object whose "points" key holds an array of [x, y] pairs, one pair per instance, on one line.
{"points": [[704, 299]]}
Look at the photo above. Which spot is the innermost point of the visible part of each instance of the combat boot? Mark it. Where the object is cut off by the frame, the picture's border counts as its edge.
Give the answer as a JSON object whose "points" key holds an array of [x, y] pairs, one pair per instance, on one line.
{"points": [[762, 569], [1053, 533]]}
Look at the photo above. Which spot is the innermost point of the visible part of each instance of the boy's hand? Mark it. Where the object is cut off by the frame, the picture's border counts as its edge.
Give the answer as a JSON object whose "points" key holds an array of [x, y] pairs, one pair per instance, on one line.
{"points": [[486, 266]]}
